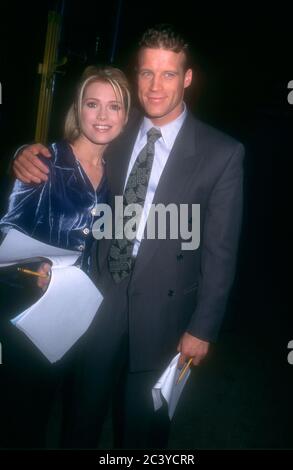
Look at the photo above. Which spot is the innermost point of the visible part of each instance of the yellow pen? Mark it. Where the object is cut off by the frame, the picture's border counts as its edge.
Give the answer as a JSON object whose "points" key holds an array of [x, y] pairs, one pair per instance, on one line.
{"points": [[32, 273], [182, 373]]}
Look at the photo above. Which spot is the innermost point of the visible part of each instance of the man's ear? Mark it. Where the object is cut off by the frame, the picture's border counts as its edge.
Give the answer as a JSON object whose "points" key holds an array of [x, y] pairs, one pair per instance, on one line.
{"points": [[188, 78]]}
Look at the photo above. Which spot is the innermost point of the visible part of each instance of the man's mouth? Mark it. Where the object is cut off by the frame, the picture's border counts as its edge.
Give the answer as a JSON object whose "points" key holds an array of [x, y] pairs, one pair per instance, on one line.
{"points": [[155, 99]]}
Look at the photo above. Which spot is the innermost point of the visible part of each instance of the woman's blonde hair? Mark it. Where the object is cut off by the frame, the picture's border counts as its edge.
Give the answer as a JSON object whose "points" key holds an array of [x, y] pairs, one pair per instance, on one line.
{"points": [[115, 77]]}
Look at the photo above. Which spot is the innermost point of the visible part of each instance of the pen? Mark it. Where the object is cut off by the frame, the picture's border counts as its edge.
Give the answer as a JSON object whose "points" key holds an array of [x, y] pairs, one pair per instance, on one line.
{"points": [[182, 373], [32, 273]]}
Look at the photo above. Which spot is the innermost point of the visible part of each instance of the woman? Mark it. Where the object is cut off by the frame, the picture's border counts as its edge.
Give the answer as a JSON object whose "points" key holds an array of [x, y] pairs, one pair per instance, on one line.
{"points": [[61, 212]]}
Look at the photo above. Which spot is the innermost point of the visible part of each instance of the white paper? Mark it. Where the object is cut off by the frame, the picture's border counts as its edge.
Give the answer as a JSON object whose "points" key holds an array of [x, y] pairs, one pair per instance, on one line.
{"points": [[63, 314], [65, 311], [17, 247], [167, 387]]}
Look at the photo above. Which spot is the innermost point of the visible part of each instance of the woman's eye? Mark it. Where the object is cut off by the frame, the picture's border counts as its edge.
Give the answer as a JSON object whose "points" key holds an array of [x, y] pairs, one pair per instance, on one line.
{"points": [[91, 104], [115, 107]]}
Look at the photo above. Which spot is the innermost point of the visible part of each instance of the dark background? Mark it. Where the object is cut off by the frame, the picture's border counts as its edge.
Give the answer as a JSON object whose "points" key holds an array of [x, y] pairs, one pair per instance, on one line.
{"points": [[242, 397]]}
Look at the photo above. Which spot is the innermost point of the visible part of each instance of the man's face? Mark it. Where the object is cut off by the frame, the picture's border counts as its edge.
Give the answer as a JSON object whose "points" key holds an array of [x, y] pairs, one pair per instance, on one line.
{"points": [[161, 84]]}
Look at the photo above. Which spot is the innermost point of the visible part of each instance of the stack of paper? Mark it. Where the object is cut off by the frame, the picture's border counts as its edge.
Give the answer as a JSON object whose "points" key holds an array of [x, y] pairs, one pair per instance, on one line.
{"points": [[167, 387], [65, 311]]}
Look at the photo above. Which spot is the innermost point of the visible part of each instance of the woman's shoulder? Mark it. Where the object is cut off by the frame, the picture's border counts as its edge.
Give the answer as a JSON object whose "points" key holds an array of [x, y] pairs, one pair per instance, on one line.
{"points": [[61, 155]]}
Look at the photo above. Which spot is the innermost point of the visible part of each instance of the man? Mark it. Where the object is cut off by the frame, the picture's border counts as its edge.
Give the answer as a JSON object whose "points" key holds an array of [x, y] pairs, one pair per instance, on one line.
{"points": [[158, 297]]}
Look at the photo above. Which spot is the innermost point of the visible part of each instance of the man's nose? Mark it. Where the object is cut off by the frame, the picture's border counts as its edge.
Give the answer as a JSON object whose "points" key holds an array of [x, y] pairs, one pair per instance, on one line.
{"points": [[156, 83]]}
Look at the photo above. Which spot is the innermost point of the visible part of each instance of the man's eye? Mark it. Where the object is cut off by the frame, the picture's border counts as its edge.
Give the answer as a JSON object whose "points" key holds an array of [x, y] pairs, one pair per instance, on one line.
{"points": [[145, 74], [169, 75]]}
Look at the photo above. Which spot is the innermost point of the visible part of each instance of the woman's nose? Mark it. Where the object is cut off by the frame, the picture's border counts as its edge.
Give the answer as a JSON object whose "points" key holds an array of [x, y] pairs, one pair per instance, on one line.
{"points": [[102, 113]]}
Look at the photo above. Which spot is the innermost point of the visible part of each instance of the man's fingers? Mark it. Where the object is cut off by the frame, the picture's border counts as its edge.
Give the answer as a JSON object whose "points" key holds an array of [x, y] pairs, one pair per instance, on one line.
{"points": [[182, 360], [28, 158], [199, 356], [20, 176], [39, 148], [30, 168], [196, 360], [23, 175], [35, 149]]}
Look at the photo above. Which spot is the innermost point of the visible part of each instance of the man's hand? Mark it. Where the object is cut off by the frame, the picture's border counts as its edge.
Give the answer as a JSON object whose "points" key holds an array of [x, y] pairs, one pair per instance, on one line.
{"points": [[191, 347], [28, 168]]}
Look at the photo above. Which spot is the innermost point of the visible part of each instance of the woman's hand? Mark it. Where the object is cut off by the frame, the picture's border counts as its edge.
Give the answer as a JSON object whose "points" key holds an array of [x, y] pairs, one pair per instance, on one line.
{"points": [[43, 282]]}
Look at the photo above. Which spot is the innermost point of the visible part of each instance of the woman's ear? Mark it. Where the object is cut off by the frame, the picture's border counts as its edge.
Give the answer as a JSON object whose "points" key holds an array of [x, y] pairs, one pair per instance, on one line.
{"points": [[125, 122]]}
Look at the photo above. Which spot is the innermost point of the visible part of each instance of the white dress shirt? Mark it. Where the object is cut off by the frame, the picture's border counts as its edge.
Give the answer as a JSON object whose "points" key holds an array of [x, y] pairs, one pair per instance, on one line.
{"points": [[163, 147]]}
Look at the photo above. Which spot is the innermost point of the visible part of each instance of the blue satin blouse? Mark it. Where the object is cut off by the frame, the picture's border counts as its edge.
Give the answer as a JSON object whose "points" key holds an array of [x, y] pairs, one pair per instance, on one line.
{"points": [[60, 211]]}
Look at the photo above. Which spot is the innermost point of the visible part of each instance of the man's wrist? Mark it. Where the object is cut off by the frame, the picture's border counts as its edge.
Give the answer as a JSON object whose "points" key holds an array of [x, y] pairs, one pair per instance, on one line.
{"points": [[19, 149], [10, 171]]}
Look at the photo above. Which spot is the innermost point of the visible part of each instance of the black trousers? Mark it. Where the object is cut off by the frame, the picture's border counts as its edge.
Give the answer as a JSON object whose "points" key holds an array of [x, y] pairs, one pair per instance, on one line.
{"points": [[28, 382], [102, 377], [136, 424]]}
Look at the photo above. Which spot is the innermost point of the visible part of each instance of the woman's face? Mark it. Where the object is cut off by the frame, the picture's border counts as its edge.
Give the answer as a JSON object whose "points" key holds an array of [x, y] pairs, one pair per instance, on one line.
{"points": [[103, 114]]}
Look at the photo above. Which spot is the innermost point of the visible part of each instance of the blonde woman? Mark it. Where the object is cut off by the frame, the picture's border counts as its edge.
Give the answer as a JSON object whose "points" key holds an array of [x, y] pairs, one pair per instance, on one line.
{"points": [[61, 212]]}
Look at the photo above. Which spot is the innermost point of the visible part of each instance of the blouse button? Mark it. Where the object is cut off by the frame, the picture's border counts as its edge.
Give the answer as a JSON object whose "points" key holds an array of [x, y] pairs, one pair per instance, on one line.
{"points": [[93, 211], [86, 231], [81, 247]]}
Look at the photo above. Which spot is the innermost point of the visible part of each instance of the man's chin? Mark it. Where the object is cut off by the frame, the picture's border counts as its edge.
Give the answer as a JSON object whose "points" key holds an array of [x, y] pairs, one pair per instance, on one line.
{"points": [[154, 114]]}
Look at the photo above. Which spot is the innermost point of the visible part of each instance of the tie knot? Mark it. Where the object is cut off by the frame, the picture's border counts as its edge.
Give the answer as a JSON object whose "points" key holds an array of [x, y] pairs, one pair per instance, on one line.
{"points": [[153, 134]]}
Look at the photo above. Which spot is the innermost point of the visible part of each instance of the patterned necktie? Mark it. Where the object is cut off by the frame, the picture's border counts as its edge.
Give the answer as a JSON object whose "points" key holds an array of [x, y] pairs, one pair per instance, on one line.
{"points": [[120, 257]]}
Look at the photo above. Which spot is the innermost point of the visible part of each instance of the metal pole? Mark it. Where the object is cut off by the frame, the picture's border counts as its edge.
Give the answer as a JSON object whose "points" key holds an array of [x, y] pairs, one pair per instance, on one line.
{"points": [[117, 23]]}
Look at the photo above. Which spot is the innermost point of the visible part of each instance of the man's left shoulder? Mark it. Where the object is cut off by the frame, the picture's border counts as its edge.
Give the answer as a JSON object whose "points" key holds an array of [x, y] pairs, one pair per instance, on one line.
{"points": [[214, 139], [220, 137]]}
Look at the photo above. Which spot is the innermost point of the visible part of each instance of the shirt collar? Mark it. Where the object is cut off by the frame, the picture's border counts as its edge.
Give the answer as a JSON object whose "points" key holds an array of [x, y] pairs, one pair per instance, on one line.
{"points": [[169, 131]]}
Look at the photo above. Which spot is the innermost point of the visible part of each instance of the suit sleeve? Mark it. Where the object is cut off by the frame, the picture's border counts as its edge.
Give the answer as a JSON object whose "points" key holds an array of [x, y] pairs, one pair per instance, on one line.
{"points": [[26, 206], [220, 238]]}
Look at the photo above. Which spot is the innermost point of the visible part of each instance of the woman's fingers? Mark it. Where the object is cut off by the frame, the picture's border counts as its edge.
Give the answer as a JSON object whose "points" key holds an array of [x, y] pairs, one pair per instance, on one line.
{"points": [[43, 282]]}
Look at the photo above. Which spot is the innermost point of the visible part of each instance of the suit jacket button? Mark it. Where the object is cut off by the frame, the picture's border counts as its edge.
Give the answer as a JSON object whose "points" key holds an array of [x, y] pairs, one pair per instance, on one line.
{"points": [[179, 257], [170, 293]]}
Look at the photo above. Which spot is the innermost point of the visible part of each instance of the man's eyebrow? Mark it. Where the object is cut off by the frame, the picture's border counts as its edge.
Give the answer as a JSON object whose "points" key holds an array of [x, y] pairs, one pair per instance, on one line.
{"points": [[164, 71]]}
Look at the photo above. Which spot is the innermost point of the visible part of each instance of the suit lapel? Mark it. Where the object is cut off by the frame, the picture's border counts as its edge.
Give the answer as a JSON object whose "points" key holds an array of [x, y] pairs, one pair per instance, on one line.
{"points": [[118, 156], [117, 159], [182, 160]]}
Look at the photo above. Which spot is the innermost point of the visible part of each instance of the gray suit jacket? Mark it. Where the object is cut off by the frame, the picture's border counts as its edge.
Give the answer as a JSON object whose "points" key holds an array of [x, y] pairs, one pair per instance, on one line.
{"points": [[171, 290]]}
